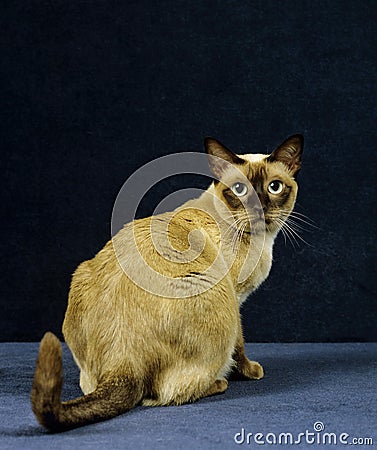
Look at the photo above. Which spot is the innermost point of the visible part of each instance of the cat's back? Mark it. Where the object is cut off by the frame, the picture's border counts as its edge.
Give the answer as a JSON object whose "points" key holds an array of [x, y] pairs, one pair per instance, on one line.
{"points": [[173, 245]]}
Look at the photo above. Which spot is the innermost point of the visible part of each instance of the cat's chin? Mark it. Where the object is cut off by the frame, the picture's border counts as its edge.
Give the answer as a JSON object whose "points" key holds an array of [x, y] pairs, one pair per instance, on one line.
{"points": [[258, 227], [272, 227]]}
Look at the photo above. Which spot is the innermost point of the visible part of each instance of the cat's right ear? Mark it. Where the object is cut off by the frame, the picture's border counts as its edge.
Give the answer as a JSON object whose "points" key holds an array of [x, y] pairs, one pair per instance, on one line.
{"points": [[223, 156]]}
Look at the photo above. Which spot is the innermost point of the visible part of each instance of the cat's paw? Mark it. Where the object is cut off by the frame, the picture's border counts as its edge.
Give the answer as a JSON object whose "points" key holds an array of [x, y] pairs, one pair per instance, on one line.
{"points": [[218, 387], [251, 370]]}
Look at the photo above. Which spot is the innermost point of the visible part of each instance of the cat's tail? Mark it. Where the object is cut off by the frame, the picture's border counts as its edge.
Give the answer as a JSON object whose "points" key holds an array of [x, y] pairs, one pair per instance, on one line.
{"points": [[113, 396]]}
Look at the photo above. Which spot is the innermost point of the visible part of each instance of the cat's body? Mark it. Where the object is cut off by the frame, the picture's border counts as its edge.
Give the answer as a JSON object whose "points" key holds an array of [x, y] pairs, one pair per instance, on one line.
{"points": [[132, 344]]}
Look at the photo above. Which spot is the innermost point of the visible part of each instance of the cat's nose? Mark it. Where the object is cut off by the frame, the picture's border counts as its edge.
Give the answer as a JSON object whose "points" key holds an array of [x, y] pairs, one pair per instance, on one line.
{"points": [[258, 211]]}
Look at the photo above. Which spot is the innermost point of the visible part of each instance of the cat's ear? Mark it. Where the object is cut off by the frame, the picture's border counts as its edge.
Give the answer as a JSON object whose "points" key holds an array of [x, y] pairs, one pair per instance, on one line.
{"points": [[223, 155], [289, 153]]}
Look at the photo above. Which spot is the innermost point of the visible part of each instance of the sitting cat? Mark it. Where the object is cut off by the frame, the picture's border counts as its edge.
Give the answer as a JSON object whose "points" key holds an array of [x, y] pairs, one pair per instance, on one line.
{"points": [[134, 345]]}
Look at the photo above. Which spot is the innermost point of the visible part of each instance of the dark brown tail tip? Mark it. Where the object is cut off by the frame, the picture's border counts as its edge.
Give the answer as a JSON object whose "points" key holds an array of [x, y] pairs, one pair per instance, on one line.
{"points": [[49, 339], [47, 383], [49, 363]]}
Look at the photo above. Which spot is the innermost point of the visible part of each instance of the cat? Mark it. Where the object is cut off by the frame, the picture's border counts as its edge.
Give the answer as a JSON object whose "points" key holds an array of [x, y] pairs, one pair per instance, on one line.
{"points": [[136, 346]]}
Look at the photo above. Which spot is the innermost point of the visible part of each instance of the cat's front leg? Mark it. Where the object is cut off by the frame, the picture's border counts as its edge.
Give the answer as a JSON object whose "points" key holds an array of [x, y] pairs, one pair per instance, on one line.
{"points": [[244, 367]]}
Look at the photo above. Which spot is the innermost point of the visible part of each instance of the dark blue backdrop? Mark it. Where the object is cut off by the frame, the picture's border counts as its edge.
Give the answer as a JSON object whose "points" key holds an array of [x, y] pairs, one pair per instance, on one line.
{"points": [[93, 90]]}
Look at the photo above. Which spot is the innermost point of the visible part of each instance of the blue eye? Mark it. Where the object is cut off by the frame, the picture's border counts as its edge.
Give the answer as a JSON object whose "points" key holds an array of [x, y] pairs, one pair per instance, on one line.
{"points": [[239, 189], [275, 187]]}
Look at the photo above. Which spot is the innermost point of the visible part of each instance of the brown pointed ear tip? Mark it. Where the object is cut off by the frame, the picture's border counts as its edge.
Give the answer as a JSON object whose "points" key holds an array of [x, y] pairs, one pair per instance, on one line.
{"points": [[298, 138], [208, 140], [210, 144]]}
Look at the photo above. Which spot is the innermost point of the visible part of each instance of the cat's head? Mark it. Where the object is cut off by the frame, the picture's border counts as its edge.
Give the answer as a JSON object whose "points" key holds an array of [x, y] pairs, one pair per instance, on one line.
{"points": [[263, 187]]}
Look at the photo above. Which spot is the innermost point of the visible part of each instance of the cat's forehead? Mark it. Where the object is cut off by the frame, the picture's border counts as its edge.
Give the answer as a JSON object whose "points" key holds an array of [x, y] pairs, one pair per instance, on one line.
{"points": [[253, 157], [254, 167]]}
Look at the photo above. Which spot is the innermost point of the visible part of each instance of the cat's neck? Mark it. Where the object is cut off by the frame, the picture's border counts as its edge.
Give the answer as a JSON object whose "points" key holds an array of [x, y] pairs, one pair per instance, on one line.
{"points": [[250, 260]]}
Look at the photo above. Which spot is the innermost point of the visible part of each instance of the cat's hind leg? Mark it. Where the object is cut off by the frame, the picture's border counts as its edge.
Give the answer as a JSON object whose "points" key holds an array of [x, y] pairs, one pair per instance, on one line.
{"points": [[178, 385], [218, 387], [87, 384]]}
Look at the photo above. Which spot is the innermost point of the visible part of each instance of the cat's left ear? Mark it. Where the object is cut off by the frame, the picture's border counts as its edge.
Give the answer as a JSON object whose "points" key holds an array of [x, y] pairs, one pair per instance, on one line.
{"points": [[289, 153], [224, 156]]}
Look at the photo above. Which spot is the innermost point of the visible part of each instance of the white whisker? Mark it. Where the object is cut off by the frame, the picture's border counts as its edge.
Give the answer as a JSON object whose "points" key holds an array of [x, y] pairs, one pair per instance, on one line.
{"points": [[295, 233], [301, 217], [296, 225], [286, 233]]}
